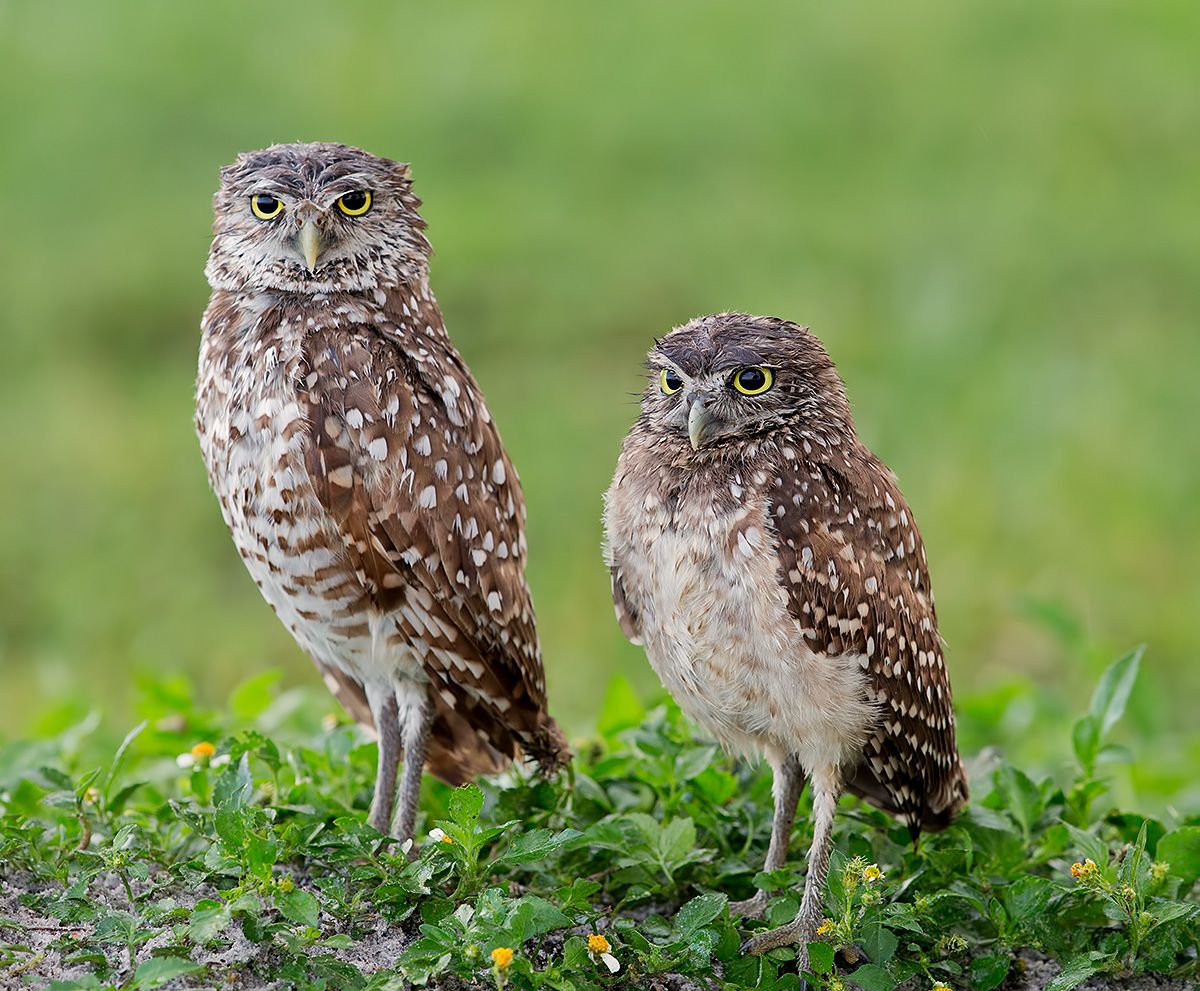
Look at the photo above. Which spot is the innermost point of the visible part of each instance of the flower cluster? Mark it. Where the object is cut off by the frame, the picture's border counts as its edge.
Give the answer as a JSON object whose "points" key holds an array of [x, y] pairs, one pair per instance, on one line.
{"points": [[1084, 872]]}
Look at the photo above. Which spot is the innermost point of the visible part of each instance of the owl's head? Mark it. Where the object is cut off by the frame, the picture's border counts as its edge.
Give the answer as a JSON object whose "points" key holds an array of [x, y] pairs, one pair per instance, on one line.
{"points": [[730, 377], [315, 218]]}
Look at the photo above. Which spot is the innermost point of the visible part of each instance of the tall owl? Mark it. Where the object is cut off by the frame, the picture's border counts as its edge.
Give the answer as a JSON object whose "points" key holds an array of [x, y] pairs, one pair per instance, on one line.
{"points": [[360, 472], [769, 565]]}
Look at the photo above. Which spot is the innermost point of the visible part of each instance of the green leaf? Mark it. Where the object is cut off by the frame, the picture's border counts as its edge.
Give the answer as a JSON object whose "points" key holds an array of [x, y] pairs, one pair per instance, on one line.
{"points": [[872, 977], [1181, 849], [299, 906], [1088, 845], [697, 913], [1108, 701], [693, 762], [209, 918], [820, 958], [252, 697], [988, 971], [230, 825], [535, 916], [535, 844], [119, 757], [1085, 739], [1078, 970], [1027, 897], [1022, 797], [677, 841], [159, 970], [879, 943], [621, 708], [58, 779], [234, 784], [465, 805]]}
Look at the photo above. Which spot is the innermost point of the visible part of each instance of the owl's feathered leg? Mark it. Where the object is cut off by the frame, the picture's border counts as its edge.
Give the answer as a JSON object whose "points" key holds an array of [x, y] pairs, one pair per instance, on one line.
{"points": [[787, 786], [417, 720], [827, 787], [385, 715]]}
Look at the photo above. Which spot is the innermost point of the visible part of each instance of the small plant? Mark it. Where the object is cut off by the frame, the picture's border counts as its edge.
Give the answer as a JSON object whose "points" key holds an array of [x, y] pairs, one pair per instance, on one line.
{"points": [[149, 869]]}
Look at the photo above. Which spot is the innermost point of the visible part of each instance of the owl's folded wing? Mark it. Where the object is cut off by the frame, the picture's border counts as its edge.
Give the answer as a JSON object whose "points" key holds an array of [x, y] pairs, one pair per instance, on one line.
{"points": [[407, 463], [853, 566]]}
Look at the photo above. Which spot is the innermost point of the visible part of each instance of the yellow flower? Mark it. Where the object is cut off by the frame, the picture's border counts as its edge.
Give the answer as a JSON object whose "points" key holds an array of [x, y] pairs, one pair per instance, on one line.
{"points": [[1086, 869], [502, 957], [91, 795], [941, 987], [200, 755], [825, 928], [872, 873], [598, 949]]}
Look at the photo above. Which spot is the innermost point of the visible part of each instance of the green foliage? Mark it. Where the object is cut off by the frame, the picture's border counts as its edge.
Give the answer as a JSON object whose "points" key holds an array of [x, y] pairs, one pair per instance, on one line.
{"points": [[167, 855]]}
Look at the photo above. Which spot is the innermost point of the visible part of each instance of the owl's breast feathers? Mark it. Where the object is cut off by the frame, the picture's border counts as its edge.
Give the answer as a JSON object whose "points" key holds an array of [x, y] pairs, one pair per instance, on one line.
{"points": [[422, 505], [851, 565]]}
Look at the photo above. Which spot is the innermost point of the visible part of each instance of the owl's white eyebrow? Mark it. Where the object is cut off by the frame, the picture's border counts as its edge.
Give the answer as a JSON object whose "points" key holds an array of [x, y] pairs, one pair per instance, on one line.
{"points": [[270, 189]]}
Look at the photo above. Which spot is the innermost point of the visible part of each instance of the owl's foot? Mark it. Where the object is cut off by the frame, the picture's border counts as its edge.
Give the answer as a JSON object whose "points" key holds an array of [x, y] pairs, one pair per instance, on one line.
{"points": [[751, 908], [772, 939]]}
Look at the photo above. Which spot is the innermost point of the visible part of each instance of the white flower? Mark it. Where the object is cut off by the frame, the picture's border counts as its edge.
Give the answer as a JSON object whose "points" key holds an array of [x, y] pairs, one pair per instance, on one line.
{"points": [[438, 835], [202, 754], [598, 949]]}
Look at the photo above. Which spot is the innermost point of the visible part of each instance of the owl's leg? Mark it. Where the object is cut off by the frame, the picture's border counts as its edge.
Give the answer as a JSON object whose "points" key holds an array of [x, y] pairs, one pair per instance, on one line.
{"points": [[826, 789], [788, 785], [417, 720], [384, 713]]}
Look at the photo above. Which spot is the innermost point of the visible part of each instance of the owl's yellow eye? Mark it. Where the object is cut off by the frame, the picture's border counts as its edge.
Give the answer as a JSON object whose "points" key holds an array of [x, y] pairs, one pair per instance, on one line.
{"points": [[670, 382], [265, 207], [355, 204], [753, 381]]}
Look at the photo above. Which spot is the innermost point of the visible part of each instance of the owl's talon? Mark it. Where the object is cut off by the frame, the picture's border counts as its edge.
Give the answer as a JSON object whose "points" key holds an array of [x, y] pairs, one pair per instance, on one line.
{"points": [[772, 939]]}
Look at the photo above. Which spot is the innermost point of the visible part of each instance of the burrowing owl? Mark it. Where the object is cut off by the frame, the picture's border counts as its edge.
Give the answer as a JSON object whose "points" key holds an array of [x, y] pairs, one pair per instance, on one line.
{"points": [[768, 563], [359, 471]]}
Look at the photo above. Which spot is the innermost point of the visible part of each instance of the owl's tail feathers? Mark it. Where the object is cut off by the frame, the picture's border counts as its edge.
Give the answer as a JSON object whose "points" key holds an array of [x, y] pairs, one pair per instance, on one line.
{"points": [[547, 747], [457, 754]]}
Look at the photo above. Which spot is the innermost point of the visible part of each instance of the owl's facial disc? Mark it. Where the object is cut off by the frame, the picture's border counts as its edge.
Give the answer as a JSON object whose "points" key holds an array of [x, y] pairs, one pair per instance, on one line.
{"points": [[315, 219], [715, 404]]}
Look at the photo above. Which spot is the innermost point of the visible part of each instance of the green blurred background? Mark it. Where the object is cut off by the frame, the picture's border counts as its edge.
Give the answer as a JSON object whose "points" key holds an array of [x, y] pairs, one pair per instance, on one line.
{"points": [[987, 211]]}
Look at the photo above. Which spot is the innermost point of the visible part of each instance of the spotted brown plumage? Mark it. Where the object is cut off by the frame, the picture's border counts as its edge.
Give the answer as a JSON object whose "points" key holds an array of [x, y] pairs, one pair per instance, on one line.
{"points": [[768, 563], [359, 470]]}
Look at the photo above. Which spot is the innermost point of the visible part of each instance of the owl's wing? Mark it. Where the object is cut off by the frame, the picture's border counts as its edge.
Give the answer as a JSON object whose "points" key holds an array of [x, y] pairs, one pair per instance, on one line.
{"points": [[627, 616], [407, 463], [853, 566]]}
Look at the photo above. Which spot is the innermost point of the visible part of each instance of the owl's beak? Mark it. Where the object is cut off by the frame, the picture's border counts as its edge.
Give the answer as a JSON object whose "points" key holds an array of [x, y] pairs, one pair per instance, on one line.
{"points": [[700, 424], [309, 243]]}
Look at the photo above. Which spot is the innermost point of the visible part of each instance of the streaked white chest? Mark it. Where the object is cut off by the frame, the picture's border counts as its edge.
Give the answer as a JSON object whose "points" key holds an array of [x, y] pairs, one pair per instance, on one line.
{"points": [[717, 631], [253, 445]]}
